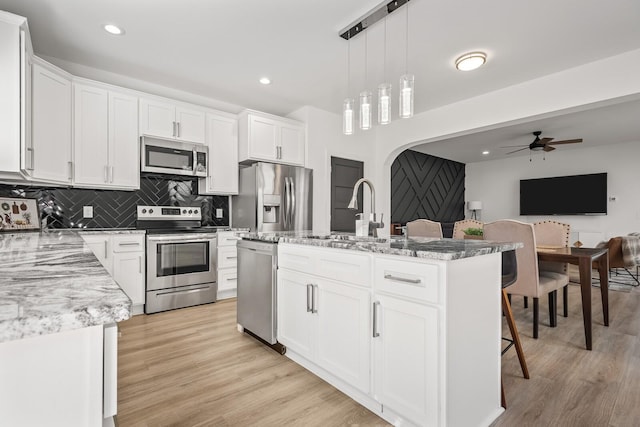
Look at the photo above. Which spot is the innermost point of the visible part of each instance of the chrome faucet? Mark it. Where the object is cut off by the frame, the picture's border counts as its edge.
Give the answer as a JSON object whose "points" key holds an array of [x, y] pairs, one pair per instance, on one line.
{"points": [[372, 224]]}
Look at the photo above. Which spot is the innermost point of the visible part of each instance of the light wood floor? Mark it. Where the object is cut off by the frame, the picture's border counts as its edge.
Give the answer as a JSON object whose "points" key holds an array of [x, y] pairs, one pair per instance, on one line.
{"points": [[191, 367]]}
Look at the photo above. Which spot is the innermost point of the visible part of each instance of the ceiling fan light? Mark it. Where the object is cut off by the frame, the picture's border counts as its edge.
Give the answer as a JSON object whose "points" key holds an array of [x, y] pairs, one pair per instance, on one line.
{"points": [[471, 61]]}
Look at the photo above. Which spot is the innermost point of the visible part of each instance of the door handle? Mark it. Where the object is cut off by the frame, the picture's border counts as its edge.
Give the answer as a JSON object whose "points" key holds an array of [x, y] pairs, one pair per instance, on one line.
{"points": [[30, 150], [111, 172], [286, 202], [309, 290], [178, 128], [174, 129], [292, 208], [314, 302], [105, 248], [375, 319], [140, 264]]}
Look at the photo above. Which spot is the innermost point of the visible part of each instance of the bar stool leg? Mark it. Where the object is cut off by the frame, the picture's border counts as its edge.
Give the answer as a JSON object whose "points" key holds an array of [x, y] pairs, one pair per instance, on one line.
{"points": [[506, 307]]}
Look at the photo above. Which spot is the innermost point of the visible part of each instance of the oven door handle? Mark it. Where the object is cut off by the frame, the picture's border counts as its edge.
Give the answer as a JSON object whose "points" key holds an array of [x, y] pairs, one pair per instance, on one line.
{"points": [[174, 239]]}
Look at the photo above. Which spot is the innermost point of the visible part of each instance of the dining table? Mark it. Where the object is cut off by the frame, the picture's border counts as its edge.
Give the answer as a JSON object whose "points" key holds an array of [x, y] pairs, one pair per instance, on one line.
{"points": [[585, 259]]}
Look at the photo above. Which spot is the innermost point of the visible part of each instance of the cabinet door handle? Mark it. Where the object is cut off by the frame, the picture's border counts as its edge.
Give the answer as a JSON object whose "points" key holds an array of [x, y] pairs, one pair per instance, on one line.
{"points": [[106, 249], [314, 302], [70, 164], [232, 257], [140, 264], [174, 129], [31, 153], [375, 319], [401, 279], [178, 127], [129, 244], [308, 292], [106, 173], [111, 173]]}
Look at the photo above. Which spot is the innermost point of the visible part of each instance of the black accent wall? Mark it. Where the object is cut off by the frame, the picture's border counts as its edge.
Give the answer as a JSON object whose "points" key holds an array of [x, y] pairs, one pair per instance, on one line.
{"points": [[424, 186], [62, 207]]}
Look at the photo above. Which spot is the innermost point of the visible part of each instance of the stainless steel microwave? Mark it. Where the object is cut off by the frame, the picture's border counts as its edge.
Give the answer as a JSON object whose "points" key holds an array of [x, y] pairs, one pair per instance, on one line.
{"points": [[173, 157]]}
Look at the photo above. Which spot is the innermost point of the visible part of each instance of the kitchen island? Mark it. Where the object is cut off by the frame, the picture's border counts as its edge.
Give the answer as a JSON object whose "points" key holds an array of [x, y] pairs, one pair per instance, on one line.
{"points": [[409, 328], [58, 338]]}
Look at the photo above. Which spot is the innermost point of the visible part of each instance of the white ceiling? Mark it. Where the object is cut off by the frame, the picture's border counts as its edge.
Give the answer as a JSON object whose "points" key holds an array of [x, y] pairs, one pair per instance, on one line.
{"points": [[220, 49]]}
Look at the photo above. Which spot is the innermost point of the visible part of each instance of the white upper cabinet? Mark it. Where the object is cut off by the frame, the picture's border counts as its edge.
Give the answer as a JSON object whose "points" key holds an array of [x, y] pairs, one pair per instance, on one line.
{"points": [[271, 138], [124, 149], [15, 102], [91, 135], [51, 124], [105, 138], [167, 120], [222, 138]]}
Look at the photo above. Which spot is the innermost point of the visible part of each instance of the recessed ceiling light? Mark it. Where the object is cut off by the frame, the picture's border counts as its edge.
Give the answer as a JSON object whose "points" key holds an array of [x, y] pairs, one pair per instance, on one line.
{"points": [[471, 61], [485, 152], [265, 81], [113, 29]]}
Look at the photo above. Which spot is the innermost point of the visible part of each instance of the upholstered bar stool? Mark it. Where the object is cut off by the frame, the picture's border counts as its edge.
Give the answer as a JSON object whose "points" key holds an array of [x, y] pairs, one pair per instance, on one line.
{"points": [[424, 228], [509, 276]]}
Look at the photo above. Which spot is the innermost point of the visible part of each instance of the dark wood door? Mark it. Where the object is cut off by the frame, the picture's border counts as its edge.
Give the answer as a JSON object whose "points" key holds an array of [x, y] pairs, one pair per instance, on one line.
{"points": [[344, 174]]}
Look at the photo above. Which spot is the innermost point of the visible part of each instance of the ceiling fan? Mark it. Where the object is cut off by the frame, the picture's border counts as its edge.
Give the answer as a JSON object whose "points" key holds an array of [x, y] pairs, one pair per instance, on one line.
{"points": [[542, 144]]}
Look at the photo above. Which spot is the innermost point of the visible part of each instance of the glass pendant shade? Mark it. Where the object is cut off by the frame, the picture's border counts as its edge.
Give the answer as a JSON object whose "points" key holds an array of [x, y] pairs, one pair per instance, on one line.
{"points": [[365, 110], [384, 104], [406, 96], [347, 116]]}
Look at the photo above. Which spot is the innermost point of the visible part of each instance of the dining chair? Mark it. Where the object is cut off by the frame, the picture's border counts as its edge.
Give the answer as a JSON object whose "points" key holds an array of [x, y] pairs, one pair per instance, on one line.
{"points": [[530, 282], [553, 234], [460, 226], [509, 276], [424, 228]]}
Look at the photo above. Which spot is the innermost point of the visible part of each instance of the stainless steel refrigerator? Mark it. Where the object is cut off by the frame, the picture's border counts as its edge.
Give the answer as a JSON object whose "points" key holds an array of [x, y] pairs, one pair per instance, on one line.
{"points": [[273, 197]]}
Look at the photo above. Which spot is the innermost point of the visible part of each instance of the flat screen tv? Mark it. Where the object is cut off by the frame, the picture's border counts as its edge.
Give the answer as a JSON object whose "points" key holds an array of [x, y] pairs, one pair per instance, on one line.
{"points": [[564, 195]]}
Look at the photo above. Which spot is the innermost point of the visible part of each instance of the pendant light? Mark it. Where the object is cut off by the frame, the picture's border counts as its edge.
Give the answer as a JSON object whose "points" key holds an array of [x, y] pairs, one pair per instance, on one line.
{"points": [[365, 95], [347, 105], [384, 89], [407, 80]]}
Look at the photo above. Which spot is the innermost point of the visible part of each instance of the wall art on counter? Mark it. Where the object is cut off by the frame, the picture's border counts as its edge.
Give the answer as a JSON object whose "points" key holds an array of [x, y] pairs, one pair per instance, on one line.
{"points": [[18, 214]]}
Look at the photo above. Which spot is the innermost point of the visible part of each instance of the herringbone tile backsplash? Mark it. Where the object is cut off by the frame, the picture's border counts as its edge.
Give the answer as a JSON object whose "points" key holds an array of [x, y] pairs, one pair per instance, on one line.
{"points": [[62, 207]]}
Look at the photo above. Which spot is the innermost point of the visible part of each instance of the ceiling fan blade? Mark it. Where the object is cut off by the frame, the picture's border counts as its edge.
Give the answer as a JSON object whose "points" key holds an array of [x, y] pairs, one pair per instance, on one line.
{"points": [[545, 140], [514, 146], [566, 141], [511, 152], [548, 148]]}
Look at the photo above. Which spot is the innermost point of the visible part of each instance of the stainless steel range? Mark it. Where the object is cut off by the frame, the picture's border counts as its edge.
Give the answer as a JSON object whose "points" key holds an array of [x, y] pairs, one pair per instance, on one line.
{"points": [[181, 258]]}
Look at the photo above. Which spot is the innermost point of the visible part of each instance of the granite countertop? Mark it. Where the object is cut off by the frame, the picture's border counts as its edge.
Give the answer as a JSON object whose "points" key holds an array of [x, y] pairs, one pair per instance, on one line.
{"points": [[50, 282], [109, 230], [427, 248], [274, 236]]}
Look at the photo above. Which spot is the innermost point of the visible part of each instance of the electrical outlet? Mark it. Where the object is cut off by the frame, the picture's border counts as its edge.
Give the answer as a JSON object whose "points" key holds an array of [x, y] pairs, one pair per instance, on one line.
{"points": [[219, 213], [87, 212]]}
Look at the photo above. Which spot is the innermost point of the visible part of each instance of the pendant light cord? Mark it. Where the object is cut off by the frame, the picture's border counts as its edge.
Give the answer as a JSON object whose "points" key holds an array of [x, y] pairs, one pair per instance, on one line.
{"points": [[384, 55], [366, 38], [406, 51], [348, 64]]}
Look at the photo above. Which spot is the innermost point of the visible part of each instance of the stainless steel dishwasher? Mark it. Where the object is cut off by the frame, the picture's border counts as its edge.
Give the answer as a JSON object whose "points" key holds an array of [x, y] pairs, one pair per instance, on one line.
{"points": [[257, 270]]}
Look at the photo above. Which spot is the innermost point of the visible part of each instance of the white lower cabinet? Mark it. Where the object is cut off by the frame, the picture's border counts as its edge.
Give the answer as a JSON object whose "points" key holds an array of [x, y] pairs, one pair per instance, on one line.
{"points": [[406, 358], [227, 260], [416, 341], [123, 256], [328, 323]]}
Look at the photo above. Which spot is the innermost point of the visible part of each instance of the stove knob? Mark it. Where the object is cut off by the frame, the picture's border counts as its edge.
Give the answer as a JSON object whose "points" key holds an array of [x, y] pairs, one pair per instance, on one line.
{"points": [[144, 211], [190, 211], [195, 211], [184, 211], [150, 211]]}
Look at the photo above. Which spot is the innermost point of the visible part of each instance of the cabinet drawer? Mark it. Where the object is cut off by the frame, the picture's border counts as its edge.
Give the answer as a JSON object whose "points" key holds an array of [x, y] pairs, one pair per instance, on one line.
{"points": [[412, 279], [227, 238], [128, 243], [227, 257], [343, 265], [227, 279]]}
